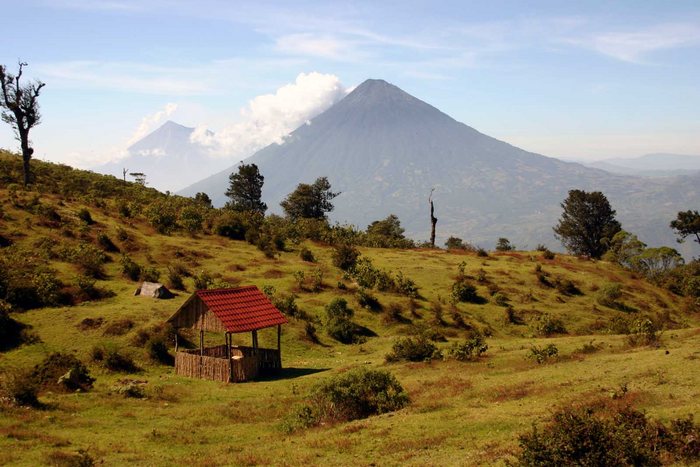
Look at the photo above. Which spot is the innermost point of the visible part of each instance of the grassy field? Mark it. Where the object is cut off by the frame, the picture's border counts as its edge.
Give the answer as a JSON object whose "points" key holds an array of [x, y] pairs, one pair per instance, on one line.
{"points": [[460, 413]]}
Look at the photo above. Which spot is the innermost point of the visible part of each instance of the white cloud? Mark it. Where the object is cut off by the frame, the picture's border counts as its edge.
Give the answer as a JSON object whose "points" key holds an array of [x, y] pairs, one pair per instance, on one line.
{"points": [[311, 44], [150, 122], [269, 118], [634, 46]]}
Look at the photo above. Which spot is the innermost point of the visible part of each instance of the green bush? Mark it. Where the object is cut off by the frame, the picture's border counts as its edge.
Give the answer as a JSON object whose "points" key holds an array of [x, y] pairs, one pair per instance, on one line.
{"points": [[609, 294], [149, 274], [617, 436], [413, 349], [355, 394], [406, 286], [469, 350], [157, 348], [464, 291], [338, 324], [547, 325], [306, 255], [88, 258], [113, 360], [85, 216], [106, 243], [175, 279], [643, 332], [202, 280], [503, 244], [62, 371], [543, 354], [345, 256], [21, 388]]}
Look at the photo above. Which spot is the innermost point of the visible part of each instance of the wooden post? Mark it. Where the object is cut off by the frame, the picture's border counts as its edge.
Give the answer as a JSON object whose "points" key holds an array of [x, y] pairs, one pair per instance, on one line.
{"points": [[228, 355], [279, 345], [201, 351], [255, 341], [176, 341]]}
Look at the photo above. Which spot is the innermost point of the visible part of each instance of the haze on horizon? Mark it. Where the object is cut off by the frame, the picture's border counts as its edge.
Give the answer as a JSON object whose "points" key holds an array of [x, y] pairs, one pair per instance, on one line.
{"points": [[579, 81]]}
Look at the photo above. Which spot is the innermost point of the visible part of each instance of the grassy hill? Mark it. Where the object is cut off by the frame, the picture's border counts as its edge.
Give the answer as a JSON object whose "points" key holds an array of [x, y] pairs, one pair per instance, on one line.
{"points": [[461, 413]]}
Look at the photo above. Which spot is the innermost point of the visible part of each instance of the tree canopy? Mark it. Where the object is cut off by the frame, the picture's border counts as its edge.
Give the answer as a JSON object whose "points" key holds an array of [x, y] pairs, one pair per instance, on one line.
{"points": [[687, 223], [587, 223], [20, 109], [245, 189], [309, 201]]}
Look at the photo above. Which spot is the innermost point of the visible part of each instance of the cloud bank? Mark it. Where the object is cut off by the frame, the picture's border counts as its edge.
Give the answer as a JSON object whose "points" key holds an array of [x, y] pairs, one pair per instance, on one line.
{"points": [[269, 118]]}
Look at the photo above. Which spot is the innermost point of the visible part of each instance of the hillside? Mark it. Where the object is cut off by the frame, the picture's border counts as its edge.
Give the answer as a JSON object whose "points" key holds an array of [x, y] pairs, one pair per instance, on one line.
{"points": [[460, 412], [384, 150]]}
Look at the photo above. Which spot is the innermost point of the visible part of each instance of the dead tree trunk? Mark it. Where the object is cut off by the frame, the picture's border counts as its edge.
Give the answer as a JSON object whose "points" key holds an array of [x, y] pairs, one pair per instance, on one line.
{"points": [[433, 219]]}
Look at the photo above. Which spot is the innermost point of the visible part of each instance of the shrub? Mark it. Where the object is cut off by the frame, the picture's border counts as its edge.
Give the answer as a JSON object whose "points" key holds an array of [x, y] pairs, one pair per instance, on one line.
{"points": [[469, 350], [129, 388], [345, 256], [62, 371], [149, 274], [356, 394], [47, 287], [113, 360], [162, 216], [287, 304], [366, 300], [566, 287], [543, 354], [306, 255], [106, 243], [88, 258], [202, 280], [503, 244], [130, 268], [482, 253], [21, 388], [406, 286], [609, 294], [157, 348], [394, 314], [464, 291], [85, 216], [413, 349], [546, 325], [338, 324], [593, 436], [175, 279], [643, 332], [455, 243], [191, 219]]}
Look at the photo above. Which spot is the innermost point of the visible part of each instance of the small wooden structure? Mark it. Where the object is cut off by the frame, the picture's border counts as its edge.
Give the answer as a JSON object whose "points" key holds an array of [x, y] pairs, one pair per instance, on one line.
{"points": [[231, 311]]}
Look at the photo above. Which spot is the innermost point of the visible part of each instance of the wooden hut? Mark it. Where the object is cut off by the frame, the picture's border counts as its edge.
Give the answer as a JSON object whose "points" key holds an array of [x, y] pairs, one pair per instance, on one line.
{"points": [[230, 311]]}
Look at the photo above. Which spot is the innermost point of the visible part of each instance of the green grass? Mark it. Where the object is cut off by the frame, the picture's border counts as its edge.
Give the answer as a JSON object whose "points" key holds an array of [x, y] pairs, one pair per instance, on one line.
{"points": [[460, 413]]}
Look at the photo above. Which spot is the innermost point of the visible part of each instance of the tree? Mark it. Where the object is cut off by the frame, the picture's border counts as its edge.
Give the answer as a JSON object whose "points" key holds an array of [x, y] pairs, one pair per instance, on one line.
{"points": [[433, 219], [504, 244], [203, 199], [587, 223], [389, 227], [687, 223], [309, 201], [623, 248], [20, 109], [245, 189], [139, 178], [455, 243]]}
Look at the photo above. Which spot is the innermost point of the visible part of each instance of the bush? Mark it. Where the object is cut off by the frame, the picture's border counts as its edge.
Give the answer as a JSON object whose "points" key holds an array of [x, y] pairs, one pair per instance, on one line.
{"points": [[21, 388], [543, 354], [130, 268], [546, 325], [88, 258], [150, 274], [643, 332], [106, 243], [119, 327], [85, 216], [464, 291], [413, 349], [501, 299], [609, 295], [503, 244], [157, 348], [62, 371], [338, 324], [566, 287], [113, 360], [596, 436], [202, 280], [306, 255], [345, 256], [366, 300], [356, 394], [469, 350], [406, 286], [482, 253]]}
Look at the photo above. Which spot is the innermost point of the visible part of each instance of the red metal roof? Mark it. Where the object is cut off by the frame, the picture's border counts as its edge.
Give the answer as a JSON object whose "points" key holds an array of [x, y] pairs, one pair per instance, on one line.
{"points": [[242, 309]]}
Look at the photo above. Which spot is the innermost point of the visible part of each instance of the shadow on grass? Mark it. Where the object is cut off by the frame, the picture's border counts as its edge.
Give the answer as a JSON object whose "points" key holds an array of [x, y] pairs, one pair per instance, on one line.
{"points": [[288, 373]]}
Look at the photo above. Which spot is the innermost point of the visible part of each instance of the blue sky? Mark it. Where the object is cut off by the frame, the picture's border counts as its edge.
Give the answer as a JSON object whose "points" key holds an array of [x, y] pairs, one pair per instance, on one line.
{"points": [[585, 80]]}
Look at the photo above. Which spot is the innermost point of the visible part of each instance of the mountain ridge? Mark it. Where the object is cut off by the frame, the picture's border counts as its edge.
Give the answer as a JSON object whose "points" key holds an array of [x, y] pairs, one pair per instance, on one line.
{"points": [[385, 150]]}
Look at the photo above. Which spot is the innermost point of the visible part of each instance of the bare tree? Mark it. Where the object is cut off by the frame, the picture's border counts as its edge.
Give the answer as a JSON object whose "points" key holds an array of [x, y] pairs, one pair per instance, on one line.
{"points": [[433, 219], [20, 109]]}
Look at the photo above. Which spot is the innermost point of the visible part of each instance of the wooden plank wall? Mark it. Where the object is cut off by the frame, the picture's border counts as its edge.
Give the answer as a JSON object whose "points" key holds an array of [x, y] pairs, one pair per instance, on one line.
{"points": [[195, 315], [215, 365]]}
